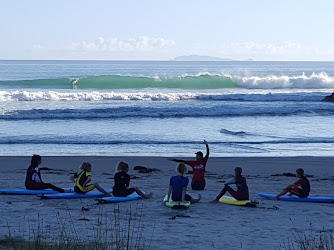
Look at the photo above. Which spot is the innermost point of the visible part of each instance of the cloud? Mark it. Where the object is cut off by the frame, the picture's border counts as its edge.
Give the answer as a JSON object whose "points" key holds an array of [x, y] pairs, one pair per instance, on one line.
{"points": [[142, 43], [37, 46]]}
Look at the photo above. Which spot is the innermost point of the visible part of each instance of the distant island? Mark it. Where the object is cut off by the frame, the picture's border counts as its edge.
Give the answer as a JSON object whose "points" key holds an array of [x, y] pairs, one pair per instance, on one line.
{"points": [[202, 58]]}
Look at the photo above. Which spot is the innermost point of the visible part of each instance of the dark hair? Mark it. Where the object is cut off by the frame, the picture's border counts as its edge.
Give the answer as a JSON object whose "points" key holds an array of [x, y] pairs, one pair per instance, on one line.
{"points": [[300, 171], [35, 159], [199, 153], [238, 172]]}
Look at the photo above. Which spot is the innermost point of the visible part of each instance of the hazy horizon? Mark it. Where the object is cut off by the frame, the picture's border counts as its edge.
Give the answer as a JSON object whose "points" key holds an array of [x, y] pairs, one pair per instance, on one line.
{"points": [[160, 31]]}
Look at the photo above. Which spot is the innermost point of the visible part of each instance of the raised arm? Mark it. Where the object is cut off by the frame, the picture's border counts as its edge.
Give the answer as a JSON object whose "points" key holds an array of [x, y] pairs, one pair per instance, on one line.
{"points": [[207, 149], [176, 160]]}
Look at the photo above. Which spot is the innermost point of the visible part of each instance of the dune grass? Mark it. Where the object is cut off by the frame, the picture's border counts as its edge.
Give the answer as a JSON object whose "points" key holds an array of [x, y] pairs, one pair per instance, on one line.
{"points": [[310, 239], [111, 231]]}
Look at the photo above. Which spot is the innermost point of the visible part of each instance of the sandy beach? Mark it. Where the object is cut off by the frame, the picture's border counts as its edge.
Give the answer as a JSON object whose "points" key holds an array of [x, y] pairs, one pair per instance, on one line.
{"points": [[203, 226]]}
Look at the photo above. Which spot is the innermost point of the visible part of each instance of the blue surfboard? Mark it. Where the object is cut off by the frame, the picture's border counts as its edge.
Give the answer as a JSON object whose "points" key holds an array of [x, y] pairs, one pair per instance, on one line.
{"points": [[295, 198], [114, 199], [91, 194], [30, 192]]}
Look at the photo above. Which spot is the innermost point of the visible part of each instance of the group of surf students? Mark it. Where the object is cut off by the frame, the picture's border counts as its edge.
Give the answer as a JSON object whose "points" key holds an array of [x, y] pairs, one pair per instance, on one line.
{"points": [[83, 179], [177, 184]]}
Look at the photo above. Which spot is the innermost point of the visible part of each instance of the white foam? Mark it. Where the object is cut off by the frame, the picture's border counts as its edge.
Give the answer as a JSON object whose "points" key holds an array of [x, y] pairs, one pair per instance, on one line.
{"points": [[221, 95], [303, 81]]}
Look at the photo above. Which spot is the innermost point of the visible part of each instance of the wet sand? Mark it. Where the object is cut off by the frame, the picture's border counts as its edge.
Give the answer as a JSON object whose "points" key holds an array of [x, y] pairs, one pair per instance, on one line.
{"points": [[203, 226]]}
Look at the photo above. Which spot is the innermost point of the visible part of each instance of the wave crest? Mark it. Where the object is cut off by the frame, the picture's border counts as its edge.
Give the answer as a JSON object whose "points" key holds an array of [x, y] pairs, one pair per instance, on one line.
{"points": [[303, 81]]}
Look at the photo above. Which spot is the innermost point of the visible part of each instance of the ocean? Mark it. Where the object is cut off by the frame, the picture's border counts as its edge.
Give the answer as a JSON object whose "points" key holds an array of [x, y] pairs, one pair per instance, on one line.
{"points": [[166, 108]]}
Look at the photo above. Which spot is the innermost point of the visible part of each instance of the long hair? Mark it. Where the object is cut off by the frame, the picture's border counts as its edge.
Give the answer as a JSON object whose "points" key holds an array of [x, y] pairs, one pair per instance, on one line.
{"points": [[238, 172], [35, 160]]}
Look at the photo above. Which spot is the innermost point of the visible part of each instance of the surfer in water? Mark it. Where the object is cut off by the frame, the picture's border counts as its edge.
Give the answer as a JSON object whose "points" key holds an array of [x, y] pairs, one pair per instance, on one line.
{"points": [[198, 166], [74, 81], [241, 183], [300, 188]]}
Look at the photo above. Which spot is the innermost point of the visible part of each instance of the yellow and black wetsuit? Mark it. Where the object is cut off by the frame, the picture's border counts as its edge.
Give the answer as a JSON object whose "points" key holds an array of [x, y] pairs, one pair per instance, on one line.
{"points": [[81, 179]]}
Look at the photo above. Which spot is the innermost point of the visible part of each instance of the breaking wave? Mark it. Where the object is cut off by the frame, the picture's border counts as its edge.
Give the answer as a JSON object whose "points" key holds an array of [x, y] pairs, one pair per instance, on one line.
{"points": [[200, 81]]}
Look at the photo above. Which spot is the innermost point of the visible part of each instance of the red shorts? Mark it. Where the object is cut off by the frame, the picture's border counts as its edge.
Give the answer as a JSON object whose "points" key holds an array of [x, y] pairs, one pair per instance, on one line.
{"points": [[295, 190]]}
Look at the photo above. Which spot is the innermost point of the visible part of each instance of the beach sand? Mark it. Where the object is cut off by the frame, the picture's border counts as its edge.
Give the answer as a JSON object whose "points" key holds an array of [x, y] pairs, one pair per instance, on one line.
{"points": [[203, 226]]}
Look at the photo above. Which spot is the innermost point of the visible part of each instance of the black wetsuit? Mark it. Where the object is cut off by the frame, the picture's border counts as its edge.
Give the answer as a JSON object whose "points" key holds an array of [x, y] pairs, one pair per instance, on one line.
{"points": [[242, 189], [306, 188], [121, 184]]}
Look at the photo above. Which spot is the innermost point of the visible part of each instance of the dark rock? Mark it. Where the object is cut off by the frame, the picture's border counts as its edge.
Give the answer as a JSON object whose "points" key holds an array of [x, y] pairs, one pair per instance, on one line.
{"points": [[45, 168], [329, 98], [145, 169], [285, 174], [139, 168], [107, 174], [135, 177], [291, 175], [149, 170]]}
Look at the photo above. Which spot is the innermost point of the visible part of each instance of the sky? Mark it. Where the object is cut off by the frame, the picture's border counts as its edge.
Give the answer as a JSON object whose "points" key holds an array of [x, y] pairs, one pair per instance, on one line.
{"points": [[262, 30]]}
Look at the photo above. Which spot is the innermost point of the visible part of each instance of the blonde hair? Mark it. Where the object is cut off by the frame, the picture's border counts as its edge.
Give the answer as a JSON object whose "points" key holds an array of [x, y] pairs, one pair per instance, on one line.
{"points": [[85, 166], [181, 168], [122, 166]]}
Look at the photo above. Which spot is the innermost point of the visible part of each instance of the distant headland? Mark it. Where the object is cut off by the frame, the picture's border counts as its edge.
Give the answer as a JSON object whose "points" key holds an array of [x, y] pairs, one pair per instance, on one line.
{"points": [[203, 58]]}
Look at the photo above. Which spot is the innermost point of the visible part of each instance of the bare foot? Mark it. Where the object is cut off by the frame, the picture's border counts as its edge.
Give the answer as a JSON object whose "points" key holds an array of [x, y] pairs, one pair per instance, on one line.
{"points": [[148, 195], [196, 200]]}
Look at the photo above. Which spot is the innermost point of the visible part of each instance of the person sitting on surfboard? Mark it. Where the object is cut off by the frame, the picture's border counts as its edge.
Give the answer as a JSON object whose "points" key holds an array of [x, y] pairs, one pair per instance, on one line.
{"points": [[34, 178], [122, 182], [300, 188], [241, 183], [198, 166], [178, 186], [83, 178]]}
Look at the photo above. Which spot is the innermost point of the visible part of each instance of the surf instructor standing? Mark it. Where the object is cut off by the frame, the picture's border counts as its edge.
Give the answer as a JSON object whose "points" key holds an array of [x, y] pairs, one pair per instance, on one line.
{"points": [[198, 166]]}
